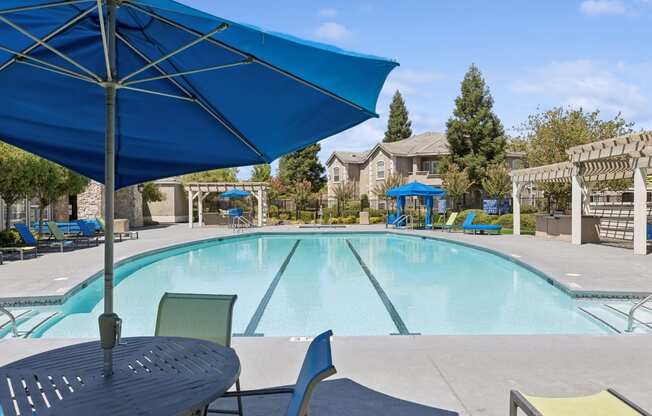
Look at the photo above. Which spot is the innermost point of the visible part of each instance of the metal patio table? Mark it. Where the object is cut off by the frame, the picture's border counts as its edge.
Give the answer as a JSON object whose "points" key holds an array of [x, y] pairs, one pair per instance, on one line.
{"points": [[153, 376]]}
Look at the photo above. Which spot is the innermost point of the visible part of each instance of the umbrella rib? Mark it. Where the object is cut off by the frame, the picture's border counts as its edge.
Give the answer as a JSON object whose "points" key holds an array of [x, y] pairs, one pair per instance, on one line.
{"points": [[163, 94], [196, 100], [49, 36], [223, 45], [190, 72], [146, 59], [45, 65], [43, 6], [50, 48], [220, 28], [105, 44]]}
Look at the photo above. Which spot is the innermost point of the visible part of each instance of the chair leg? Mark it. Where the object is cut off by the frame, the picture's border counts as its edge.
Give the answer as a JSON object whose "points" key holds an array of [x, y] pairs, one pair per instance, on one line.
{"points": [[237, 388]]}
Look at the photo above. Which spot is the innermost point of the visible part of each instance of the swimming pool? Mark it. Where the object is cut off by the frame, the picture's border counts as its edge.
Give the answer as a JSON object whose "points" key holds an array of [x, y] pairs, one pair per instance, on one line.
{"points": [[353, 283]]}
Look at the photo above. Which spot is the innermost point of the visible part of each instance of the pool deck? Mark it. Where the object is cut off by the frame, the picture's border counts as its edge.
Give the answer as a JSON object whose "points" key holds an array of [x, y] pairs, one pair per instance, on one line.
{"points": [[471, 375], [588, 269]]}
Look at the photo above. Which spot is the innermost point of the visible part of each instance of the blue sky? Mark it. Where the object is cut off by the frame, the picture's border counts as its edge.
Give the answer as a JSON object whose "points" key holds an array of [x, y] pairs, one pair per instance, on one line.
{"points": [[589, 53]]}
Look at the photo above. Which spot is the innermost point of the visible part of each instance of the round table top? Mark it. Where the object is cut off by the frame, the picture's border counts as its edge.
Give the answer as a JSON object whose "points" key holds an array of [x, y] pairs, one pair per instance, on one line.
{"points": [[152, 376]]}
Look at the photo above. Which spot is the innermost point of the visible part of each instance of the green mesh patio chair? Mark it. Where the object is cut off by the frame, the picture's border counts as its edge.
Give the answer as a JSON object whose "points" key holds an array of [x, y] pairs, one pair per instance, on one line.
{"points": [[207, 317], [317, 365]]}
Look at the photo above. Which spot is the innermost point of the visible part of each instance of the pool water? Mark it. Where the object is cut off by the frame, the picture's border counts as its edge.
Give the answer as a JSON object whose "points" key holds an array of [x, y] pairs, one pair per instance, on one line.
{"points": [[355, 284]]}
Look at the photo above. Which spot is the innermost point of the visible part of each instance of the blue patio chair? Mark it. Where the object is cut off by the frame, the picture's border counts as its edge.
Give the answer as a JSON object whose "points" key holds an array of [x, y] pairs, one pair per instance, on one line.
{"points": [[649, 231], [29, 239], [317, 365], [470, 226]]}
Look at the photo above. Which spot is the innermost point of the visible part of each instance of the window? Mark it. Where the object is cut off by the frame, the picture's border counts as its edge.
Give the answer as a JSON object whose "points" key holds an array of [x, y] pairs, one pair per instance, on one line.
{"points": [[381, 204], [380, 169], [336, 174], [429, 166]]}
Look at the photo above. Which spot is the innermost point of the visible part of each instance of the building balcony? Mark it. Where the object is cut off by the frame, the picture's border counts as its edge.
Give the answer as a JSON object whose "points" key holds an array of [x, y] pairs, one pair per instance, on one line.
{"points": [[434, 179]]}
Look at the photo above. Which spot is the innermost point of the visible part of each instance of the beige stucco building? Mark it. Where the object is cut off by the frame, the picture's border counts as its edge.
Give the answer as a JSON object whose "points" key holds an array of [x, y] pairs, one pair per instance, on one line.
{"points": [[416, 158]]}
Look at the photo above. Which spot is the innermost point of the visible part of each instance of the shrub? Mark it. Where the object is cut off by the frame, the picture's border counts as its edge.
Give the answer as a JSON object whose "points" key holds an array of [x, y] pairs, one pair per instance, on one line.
{"points": [[364, 201], [272, 211], [284, 216], [10, 238], [349, 220], [527, 221], [481, 217], [376, 220], [528, 209], [350, 212]]}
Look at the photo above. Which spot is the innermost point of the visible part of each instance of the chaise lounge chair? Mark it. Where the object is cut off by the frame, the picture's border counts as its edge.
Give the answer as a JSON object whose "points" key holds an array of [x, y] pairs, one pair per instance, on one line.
{"points": [[29, 239], [605, 403], [470, 226], [58, 235], [317, 365], [448, 226]]}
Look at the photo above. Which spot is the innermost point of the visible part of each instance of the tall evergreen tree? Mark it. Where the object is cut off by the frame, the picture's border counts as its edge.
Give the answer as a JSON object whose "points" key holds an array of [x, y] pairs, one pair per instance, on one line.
{"points": [[261, 173], [303, 165], [475, 134], [398, 124]]}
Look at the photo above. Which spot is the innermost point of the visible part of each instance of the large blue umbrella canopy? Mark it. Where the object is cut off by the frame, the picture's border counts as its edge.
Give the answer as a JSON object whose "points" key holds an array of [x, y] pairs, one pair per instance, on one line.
{"points": [[255, 95], [416, 189], [132, 90], [235, 193]]}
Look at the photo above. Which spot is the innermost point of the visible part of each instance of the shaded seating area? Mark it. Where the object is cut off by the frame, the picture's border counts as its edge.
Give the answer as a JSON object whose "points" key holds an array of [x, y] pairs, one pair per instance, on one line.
{"points": [[623, 157], [413, 189], [199, 191]]}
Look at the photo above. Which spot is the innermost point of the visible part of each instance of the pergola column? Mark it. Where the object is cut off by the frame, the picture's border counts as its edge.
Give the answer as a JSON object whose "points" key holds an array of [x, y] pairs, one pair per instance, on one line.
{"points": [[259, 196], [516, 207], [577, 209], [640, 211], [200, 208], [189, 209]]}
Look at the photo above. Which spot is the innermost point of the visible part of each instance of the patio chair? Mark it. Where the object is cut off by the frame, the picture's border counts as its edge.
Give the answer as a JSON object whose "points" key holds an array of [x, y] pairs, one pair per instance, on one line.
{"points": [[450, 223], [31, 241], [88, 230], [439, 222], [470, 226], [605, 403], [207, 317], [58, 235], [317, 365]]}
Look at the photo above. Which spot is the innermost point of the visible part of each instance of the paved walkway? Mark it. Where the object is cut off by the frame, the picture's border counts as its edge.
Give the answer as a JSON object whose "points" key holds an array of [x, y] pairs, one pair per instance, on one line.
{"points": [[581, 269], [471, 375]]}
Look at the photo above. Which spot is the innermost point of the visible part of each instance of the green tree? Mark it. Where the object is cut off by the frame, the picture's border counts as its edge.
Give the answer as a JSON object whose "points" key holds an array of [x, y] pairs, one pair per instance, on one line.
{"points": [[475, 134], [14, 180], [344, 191], [261, 173], [398, 123], [303, 165], [215, 175], [549, 134], [456, 183], [301, 195], [497, 183], [152, 193]]}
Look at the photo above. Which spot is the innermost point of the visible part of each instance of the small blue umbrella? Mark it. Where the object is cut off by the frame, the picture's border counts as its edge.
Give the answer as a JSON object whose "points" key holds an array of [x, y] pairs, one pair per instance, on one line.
{"points": [[235, 193], [125, 91]]}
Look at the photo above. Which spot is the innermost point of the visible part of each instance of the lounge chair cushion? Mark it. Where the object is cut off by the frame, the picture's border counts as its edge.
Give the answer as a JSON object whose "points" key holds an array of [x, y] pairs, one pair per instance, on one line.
{"points": [[468, 224], [600, 404]]}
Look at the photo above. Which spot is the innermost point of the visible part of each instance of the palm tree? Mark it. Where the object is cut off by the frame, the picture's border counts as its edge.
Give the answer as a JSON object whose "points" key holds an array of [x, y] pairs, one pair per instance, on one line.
{"points": [[344, 191], [392, 181]]}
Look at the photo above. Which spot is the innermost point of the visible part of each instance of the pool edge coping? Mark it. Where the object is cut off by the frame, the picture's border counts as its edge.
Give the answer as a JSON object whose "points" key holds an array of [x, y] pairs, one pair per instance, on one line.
{"points": [[59, 299]]}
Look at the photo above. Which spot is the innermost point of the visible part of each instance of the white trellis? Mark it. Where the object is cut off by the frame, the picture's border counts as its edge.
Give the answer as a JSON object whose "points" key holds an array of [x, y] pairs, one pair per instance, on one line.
{"points": [[628, 156], [200, 190]]}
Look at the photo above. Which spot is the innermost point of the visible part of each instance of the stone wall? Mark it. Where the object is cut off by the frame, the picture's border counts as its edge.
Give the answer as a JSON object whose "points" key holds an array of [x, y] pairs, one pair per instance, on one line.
{"points": [[128, 203]]}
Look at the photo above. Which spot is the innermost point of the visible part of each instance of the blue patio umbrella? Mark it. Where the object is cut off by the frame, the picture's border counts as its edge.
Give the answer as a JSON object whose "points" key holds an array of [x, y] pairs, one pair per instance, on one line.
{"points": [[235, 193], [125, 91]]}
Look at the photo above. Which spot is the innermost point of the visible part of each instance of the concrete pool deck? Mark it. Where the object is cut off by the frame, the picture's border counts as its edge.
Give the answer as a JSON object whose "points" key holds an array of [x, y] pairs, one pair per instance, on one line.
{"points": [[587, 269], [471, 375]]}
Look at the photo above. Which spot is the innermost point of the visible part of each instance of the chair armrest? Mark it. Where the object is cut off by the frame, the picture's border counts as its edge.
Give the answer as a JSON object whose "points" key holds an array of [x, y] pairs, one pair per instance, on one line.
{"points": [[260, 392]]}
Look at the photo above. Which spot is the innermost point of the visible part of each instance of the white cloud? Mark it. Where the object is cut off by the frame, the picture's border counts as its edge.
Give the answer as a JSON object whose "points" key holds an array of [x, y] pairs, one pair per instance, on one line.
{"points": [[590, 85], [602, 7], [328, 13], [410, 82], [332, 31]]}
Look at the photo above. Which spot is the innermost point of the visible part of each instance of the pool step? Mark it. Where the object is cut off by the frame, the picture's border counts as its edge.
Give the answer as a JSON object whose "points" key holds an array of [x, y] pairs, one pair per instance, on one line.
{"points": [[26, 322], [642, 316], [612, 316]]}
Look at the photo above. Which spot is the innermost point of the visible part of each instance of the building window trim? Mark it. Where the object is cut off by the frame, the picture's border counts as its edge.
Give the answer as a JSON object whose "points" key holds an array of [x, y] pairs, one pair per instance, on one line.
{"points": [[336, 174], [380, 169]]}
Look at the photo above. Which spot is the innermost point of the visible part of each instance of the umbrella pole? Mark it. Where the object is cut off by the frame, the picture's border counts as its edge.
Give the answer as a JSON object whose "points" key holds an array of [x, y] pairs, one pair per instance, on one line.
{"points": [[109, 322]]}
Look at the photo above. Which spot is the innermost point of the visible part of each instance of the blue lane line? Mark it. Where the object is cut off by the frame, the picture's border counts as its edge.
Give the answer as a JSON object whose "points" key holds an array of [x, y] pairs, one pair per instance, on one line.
{"points": [[257, 316], [393, 313]]}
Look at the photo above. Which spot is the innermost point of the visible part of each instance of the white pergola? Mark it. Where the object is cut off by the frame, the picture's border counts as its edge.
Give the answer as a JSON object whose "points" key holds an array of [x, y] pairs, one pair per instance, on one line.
{"points": [[628, 156], [200, 190]]}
